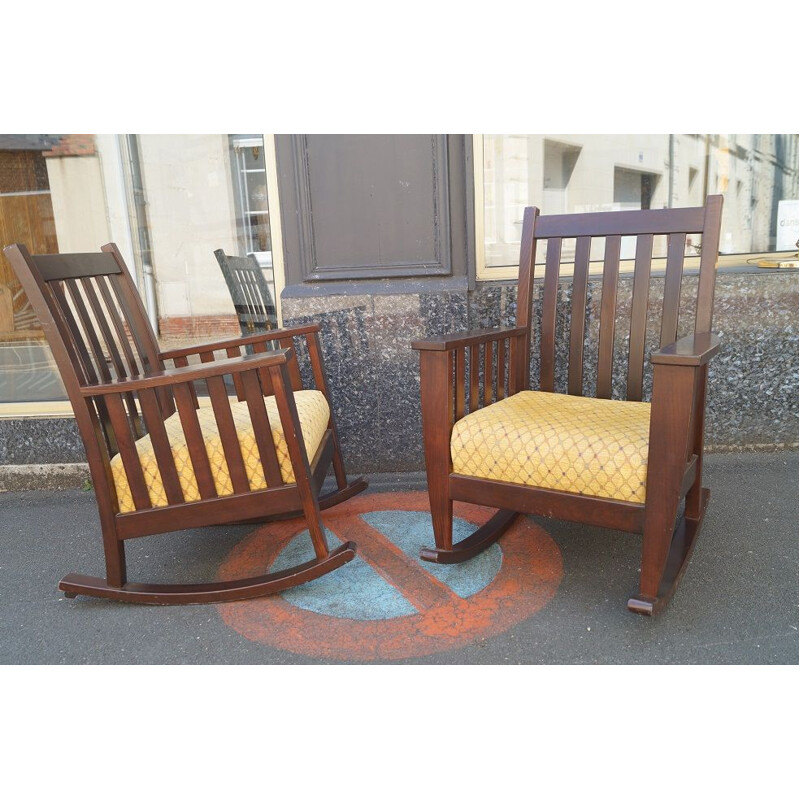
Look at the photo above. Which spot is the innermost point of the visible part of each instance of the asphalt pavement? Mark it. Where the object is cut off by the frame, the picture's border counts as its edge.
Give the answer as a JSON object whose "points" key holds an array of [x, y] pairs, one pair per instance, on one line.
{"points": [[737, 602]]}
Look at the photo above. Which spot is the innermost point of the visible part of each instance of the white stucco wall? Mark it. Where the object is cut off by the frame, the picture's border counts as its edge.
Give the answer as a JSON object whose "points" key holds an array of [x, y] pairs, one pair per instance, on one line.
{"points": [[191, 213], [79, 207]]}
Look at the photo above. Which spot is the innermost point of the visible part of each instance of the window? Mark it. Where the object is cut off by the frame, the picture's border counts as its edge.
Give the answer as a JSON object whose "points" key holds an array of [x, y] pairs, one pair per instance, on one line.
{"points": [[252, 208], [167, 201], [570, 173]]}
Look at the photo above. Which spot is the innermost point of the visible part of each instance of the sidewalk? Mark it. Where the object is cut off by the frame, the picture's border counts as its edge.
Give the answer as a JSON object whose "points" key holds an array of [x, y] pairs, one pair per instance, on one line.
{"points": [[737, 603]]}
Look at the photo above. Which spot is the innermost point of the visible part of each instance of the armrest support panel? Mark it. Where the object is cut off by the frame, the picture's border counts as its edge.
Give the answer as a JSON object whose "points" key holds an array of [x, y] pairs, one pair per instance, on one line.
{"points": [[241, 341], [467, 338], [169, 377]]}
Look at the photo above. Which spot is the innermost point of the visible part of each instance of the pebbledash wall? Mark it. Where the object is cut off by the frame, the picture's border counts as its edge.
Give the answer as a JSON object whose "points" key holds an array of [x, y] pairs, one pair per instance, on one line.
{"points": [[388, 257]]}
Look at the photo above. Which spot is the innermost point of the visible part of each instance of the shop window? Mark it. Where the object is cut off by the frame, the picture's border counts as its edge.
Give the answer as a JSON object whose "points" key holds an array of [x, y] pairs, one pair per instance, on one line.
{"points": [[168, 201], [756, 173]]}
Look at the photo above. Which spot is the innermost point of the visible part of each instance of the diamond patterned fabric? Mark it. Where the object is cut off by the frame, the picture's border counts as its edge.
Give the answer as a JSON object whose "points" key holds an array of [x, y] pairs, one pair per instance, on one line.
{"points": [[312, 410], [556, 441]]}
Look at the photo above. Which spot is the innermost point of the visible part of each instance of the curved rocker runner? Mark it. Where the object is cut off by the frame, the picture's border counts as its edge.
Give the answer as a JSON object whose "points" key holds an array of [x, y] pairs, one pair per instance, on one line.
{"points": [[164, 456]]}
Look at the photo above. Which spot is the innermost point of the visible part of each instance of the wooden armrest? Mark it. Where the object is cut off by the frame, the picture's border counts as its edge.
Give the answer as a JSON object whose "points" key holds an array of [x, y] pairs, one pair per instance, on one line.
{"points": [[210, 369], [691, 351], [241, 341], [466, 338]]}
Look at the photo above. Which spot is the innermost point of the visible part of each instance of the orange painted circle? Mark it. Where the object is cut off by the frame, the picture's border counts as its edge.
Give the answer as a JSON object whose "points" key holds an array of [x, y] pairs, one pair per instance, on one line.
{"points": [[528, 577]]}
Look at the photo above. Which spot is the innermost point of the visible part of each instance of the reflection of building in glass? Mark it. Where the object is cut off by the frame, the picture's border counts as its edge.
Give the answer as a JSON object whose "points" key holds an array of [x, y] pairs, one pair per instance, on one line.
{"points": [[575, 173], [252, 207], [168, 201]]}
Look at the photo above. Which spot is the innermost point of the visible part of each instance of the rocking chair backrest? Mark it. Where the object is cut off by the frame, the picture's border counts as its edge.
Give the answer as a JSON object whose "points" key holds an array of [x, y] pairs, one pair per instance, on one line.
{"points": [[96, 326], [675, 224], [249, 291]]}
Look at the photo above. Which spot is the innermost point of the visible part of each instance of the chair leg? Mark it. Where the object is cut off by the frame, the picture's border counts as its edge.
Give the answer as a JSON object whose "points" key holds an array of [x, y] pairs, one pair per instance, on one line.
{"points": [[436, 391], [695, 508], [441, 511], [667, 543], [653, 599], [116, 571], [344, 490]]}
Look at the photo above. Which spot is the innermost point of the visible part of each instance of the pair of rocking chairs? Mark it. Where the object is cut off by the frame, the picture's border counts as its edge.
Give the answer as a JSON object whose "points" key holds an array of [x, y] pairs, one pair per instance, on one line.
{"points": [[164, 456]]}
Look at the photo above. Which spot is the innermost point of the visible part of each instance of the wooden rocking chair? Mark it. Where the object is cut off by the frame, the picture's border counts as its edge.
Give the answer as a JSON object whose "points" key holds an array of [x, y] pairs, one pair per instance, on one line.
{"points": [[619, 464], [216, 460], [250, 292]]}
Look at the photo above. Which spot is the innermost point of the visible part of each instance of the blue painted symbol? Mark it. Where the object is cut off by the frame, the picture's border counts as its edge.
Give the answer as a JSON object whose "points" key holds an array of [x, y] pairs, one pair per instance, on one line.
{"points": [[358, 590]]}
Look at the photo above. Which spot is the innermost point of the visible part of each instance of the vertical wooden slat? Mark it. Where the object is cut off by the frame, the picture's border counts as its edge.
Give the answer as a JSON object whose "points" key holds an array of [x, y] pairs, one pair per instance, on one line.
{"points": [[292, 366], [185, 400], [641, 292], [608, 313], [488, 368], [527, 262], [142, 332], [708, 263], [266, 378], [461, 362], [474, 370], [676, 246], [84, 363], [183, 361], [122, 334], [318, 371], [549, 299], [228, 434], [89, 330], [128, 452], [261, 429], [99, 320], [154, 419], [292, 434], [246, 290], [235, 352], [501, 369], [88, 369], [580, 282], [514, 378], [148, 355]]}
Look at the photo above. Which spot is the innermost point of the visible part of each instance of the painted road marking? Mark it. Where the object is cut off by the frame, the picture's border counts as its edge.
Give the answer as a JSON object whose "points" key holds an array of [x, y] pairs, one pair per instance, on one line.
{"points": [[387, 604]]}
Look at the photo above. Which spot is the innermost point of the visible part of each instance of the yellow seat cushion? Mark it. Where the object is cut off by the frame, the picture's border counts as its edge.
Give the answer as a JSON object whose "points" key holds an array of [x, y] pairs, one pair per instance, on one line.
{"points": [[312, 410], [556, 441]]}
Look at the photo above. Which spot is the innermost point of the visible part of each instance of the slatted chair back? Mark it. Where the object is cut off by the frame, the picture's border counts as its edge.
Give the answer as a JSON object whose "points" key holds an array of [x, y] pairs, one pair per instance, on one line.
{"points": [[250, 292], [561, 232], [97, 328]]}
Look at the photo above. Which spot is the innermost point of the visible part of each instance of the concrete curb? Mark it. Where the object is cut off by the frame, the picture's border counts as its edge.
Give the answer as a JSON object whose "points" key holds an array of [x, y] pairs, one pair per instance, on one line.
{"points": [[29, 477]]}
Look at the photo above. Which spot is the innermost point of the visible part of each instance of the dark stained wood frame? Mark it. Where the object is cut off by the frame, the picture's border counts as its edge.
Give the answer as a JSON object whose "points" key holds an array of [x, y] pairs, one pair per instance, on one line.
{"points": [[250, 292], [450, 369], [122, 388]]}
